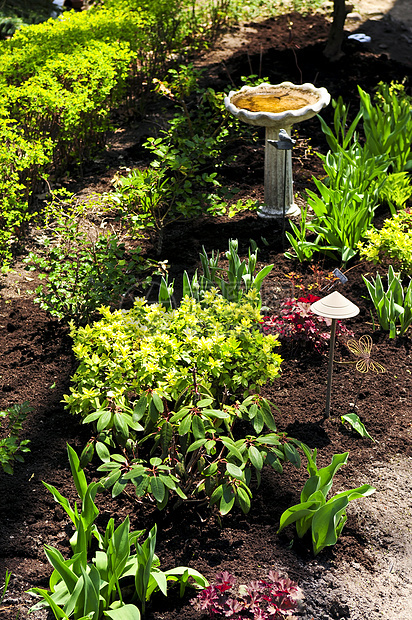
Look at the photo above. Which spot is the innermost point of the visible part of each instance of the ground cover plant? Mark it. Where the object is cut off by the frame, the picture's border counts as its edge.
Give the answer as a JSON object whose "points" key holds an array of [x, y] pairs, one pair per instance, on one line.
{"points": [[37, 364]]}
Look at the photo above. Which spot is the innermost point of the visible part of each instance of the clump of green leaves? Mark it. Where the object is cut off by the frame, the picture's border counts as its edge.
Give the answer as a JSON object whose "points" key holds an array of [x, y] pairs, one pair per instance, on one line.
{"points": [[182, 180], [324, 518], [81, 273], [11, 423], [233, 282], [393, 305], [200, 457], [393, 240], [84, 587]]}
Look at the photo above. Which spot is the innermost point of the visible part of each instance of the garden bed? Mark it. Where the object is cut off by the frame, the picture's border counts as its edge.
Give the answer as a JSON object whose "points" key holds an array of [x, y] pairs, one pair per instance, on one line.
{"points": [[365, 575]]}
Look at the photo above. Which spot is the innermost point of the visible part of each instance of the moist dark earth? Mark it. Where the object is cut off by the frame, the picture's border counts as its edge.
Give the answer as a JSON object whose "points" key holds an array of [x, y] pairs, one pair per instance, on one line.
{"points": [[367, 573]]}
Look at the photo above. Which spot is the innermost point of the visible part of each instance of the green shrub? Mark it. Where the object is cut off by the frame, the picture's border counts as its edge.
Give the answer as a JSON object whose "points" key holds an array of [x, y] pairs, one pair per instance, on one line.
{"points": [[11, 448], [148, 348], [81, 273], [393, 240], [171, 378], [21, 164]]}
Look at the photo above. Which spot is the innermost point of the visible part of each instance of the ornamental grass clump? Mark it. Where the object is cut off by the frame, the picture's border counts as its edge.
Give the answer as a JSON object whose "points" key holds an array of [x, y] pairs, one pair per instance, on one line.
{"points": [[273, 598]]}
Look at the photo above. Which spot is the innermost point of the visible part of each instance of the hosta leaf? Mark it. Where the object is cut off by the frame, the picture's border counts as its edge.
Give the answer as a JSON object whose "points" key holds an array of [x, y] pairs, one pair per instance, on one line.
{"points": [[356, 424], [325, 523], [126, 612]]}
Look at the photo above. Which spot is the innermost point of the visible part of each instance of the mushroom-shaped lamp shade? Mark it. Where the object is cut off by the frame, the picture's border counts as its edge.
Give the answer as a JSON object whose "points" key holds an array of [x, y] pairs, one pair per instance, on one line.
{"points": [[335, 306]]}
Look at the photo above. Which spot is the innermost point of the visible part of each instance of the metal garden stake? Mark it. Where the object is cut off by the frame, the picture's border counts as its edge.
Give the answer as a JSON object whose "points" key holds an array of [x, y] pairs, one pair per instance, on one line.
{"points": [[335, 306]]}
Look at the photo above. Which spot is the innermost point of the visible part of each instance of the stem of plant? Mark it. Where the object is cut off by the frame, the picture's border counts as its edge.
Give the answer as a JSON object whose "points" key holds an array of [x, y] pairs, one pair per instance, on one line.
{"points": [[330, 367]]}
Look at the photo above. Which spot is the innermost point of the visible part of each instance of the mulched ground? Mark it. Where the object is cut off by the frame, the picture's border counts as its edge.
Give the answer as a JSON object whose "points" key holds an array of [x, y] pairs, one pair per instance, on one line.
{"points": [[36, 364]]}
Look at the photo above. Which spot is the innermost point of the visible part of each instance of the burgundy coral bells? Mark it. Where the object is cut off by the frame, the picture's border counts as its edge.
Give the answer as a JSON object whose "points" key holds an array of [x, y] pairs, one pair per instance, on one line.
{"points": [[271, 599], [296, 322]]}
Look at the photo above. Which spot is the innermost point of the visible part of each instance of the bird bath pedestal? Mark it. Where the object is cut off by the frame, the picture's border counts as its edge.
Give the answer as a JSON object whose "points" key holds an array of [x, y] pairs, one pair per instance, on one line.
{"points": [[277, 107]]}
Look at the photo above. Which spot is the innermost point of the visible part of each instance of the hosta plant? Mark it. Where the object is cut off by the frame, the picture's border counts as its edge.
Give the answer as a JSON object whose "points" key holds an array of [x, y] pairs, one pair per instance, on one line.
{"points": [[323, 517]]}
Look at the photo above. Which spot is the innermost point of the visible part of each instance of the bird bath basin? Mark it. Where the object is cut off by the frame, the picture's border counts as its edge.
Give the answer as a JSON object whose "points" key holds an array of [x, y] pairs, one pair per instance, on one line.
{"points": [[277, 107]]}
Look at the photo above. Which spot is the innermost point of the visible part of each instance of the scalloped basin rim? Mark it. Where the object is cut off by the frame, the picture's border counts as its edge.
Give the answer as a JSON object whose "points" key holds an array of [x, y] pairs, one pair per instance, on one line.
{"points": [[315, 99]]}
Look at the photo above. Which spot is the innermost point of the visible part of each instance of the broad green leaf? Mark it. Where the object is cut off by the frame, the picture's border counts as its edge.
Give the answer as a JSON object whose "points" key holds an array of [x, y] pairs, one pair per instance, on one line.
{"points": [[227, 500], [126, 612], [234, 471], [356, 424], [158, 403], [102, 452], [243, 500], [198, 428], [140, 408], [325, 523], [299, 511], [255, 457], [157, 488]]}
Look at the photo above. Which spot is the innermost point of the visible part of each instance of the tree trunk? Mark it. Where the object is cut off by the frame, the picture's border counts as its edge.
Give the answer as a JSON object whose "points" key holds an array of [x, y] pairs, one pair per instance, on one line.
{"points": [[333, 49]]}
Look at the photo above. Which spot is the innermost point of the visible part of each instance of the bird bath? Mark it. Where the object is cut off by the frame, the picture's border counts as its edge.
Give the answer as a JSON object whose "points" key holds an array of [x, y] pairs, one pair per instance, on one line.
{"points": [[277, 107]]}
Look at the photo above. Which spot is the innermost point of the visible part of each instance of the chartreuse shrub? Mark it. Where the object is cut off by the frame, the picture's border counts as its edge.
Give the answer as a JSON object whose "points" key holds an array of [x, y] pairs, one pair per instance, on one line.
{"points": [[92, 585], [393, 240], [21, 162], [324, 518], [165, 385]]}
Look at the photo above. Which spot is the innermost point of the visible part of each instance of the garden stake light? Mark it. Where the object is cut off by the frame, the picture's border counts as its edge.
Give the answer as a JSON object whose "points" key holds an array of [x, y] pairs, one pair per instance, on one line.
{"points": [[335, 306]]}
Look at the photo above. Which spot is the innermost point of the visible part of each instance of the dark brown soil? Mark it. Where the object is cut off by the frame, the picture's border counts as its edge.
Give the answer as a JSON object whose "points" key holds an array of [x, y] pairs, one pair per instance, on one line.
{"points": [[36, 364]]}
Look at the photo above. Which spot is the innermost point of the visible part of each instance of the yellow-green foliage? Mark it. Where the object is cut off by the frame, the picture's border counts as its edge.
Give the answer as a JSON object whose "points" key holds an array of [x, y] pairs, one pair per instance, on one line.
{"points": [[149, 348], [58, 84], [393, 240], [20, 161]]}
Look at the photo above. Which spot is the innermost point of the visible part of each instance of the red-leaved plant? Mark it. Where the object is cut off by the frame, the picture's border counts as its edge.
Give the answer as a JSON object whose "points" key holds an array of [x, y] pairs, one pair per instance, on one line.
{"points": [[274, 598], [296, 322]]}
